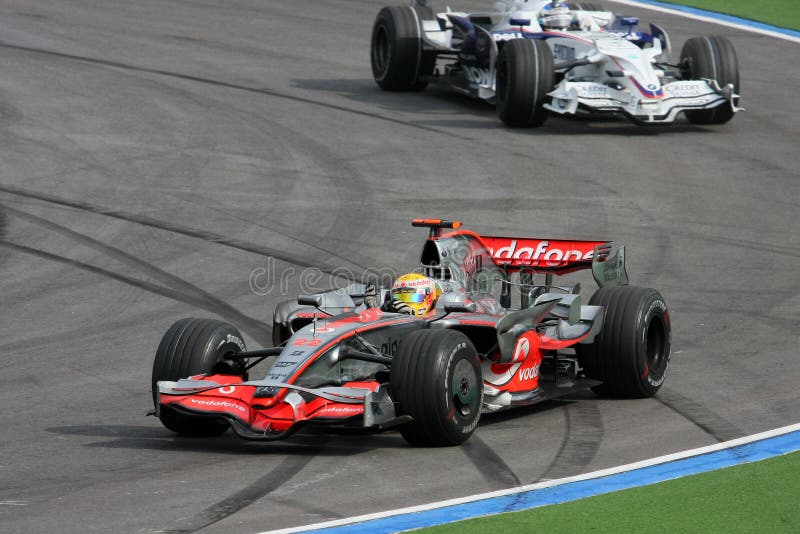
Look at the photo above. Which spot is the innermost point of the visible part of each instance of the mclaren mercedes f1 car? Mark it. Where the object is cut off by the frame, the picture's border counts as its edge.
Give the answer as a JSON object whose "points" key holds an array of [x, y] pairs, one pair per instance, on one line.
{"points": [[500, 335], [531, 57]]}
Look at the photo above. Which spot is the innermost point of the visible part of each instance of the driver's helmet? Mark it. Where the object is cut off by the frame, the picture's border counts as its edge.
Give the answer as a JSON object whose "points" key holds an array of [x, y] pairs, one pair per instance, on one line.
{"points": [[419, 292], [555, 15]]}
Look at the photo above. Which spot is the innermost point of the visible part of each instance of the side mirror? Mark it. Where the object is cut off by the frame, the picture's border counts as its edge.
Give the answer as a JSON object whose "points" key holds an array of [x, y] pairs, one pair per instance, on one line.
{"points": [[463, 307], [310, 300], [519, 22]]}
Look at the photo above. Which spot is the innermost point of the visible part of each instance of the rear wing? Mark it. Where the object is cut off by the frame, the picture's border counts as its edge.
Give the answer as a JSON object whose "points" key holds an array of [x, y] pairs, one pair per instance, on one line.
{"points": [[517, 254], [469, 252], [523, 253]]}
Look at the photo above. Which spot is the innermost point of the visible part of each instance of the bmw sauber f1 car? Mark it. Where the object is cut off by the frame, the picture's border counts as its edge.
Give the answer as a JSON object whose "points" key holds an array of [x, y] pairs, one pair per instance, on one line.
{"points": [[531, 57], [496, 339]]}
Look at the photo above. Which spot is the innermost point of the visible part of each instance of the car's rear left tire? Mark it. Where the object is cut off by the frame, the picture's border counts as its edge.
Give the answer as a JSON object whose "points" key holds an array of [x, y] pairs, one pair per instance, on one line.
{"points": [[191, 347], [436, 379], [631, 353], [398, 60], [524, 76], [711, 57]]}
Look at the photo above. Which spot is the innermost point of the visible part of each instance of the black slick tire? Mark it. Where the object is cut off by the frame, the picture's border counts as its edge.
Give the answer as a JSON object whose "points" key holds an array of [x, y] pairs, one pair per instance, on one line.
{"points": [[712, 57], [192, 347], [398, 60], [436, 379], [631, 353], [524, 76]]}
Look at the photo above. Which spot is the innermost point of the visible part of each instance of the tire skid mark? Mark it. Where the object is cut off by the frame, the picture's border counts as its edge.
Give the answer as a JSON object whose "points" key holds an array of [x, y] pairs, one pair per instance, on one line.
{"points": [[356, 192], [709, 422], [218, 83], [144, 220], [491, 466], [257, 329], [265, 485], [582, 439], [199, 302]]}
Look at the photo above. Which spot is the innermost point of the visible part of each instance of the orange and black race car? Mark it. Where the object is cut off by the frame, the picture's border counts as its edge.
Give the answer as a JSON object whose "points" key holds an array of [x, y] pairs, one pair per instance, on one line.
{"points": [[340, 362]]}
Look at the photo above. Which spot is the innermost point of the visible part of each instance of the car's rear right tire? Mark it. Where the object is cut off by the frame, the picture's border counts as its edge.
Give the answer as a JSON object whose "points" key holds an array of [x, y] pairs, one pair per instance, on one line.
{"points": [[524, 76], [191, 347], [436, 379], [631, 353], [398, 60], [711, 57]]}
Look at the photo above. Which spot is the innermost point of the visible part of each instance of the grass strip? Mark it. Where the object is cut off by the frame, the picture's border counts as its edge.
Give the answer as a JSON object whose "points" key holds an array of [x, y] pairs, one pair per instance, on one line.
{"points": [[754, 497], [781, 13]]}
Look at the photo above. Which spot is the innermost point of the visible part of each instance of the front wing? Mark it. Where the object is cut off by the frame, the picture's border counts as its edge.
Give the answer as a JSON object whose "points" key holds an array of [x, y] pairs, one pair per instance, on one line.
{"points": [[672, 99], [360, 405]]}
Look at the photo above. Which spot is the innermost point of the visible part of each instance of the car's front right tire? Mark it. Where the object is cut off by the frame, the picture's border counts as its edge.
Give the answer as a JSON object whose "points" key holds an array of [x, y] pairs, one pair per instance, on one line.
{"points": [[711, 57], [436, 379], [396, 54]]}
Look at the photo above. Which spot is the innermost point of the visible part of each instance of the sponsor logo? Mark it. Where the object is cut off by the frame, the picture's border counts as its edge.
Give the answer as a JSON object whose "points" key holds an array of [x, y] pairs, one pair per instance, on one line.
{"points": [[227, 390], [684, 89], [529, 373], [540, 252], [411, 283], [370, 314], [390, 346], [284, 364], [593, 91], [230, 338], [507, 36], [652, 86], [470, 427], [218, 404], [341, 410], [325, 330], [522, 349]]}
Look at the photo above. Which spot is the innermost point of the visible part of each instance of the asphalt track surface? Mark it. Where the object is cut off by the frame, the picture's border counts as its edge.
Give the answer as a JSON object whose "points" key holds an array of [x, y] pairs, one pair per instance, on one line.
{"points": [[154, 154]]}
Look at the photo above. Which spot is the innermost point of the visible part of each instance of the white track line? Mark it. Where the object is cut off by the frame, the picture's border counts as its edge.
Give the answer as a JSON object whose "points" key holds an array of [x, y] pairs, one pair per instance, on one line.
{"points": [[712, 19], [547, 484]]}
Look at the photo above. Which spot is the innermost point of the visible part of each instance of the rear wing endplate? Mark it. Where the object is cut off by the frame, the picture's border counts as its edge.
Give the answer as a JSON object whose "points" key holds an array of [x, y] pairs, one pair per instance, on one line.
{"points": [[608, 269]]}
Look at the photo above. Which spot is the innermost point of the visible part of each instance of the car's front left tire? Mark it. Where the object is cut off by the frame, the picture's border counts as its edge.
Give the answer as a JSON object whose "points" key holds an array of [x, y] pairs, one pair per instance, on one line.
{"points": [[191, 347]]}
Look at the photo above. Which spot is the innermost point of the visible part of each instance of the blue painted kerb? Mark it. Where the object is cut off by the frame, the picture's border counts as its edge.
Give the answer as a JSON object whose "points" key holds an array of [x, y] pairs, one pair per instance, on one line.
{"points": [[750, 452]]}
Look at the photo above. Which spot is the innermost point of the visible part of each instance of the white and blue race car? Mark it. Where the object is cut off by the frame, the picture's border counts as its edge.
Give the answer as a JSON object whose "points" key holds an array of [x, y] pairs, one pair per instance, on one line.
{"points": [[532, 57]]}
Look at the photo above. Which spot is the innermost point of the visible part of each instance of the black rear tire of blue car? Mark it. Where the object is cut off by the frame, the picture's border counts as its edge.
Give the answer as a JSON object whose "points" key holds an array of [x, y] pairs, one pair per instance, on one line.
{"points": [[524, 76], [399, 62], [191, 347], [436, 379], [631, 353], [711, 57]]}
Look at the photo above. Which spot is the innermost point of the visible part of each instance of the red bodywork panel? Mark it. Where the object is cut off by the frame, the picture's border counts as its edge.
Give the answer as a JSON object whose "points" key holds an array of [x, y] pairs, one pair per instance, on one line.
{"points": [[262, 414]]}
